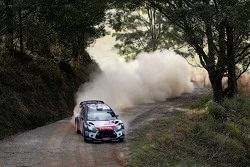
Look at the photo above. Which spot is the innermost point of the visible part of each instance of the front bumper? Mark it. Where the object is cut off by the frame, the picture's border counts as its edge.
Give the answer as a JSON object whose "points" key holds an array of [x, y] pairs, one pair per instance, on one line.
{"points": [[105, 135]]}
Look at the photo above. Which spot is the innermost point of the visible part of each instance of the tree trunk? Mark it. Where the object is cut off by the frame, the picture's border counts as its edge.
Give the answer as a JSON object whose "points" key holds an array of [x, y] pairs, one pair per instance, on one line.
{"points": [[20, 31], [232, 81], [29, 42], [216, 82], [9, 27]]}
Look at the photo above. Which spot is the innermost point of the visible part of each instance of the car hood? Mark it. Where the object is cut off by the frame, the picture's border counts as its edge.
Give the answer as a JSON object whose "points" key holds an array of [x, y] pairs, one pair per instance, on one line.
{"points": [[111, 123]]}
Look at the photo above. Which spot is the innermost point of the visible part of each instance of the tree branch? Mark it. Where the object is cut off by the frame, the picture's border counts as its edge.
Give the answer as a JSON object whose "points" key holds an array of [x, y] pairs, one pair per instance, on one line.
{"points": [[165, 12], [242, 57], [244, 70], [243, 51]]}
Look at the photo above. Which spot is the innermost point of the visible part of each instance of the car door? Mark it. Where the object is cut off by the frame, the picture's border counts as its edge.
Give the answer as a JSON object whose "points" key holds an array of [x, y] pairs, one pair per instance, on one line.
{"points": [[82, 118]]}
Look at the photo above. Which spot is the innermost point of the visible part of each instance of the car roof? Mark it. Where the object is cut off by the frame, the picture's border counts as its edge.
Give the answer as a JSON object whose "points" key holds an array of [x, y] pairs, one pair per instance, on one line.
{"points": [[96, 105], [91, 102]]}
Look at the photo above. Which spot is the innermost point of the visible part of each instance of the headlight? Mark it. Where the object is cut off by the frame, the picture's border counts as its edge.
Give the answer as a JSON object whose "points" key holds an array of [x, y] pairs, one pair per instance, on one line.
{"points": [[119, 127], [92, 129]]}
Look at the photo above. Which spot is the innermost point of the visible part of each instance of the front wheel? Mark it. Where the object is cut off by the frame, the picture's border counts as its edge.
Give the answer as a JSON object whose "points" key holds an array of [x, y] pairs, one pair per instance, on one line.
{"points": [[84, 136], [121, 140]]}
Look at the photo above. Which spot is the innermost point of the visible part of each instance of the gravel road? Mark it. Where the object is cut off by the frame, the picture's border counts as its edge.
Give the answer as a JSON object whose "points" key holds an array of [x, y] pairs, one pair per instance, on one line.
{"points": [[58, 145]]}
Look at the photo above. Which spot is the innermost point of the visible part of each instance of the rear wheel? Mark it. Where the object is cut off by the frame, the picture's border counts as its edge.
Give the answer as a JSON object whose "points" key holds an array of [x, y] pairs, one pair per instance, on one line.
{"points": [[77, 127]]}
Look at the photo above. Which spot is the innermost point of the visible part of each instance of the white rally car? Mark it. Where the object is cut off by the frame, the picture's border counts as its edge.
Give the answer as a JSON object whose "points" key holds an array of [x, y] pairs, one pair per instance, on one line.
{"points": [[96, 121]]}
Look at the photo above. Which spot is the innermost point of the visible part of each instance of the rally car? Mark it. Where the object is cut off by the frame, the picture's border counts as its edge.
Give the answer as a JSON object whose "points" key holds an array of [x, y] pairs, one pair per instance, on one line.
{"points": [[96, 121]]}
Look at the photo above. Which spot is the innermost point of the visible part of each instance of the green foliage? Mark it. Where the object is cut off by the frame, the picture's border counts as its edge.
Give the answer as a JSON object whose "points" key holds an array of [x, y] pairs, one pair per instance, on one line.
{"points": [[53, 28]]}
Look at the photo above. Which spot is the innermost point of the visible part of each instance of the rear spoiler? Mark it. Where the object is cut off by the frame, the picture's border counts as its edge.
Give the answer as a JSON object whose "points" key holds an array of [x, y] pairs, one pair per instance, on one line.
{"points": [[91, 102]]}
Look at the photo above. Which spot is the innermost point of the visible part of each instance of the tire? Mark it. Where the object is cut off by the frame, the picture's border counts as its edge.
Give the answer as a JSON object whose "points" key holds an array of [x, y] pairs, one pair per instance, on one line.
{"points": [[85, 139], [83, 134], [77, 130]]}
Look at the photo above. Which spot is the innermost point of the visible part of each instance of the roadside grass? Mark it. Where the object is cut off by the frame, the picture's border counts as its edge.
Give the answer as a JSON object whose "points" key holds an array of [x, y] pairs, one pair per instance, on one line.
{"points": [[210, 135], [201, 103]]}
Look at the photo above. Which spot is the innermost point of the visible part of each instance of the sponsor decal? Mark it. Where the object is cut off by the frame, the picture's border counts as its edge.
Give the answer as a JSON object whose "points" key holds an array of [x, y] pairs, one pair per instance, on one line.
{"points": [[109, 128]]}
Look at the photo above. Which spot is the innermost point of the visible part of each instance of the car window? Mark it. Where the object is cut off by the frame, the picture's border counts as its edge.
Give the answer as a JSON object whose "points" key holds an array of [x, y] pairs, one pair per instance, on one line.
{"points": [[101, 115], [82, 113]]}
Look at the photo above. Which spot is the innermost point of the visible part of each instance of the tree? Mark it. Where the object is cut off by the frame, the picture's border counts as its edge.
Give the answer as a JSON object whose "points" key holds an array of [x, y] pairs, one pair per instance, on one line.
{"points": [[218, 30], [9, 30], [142, 29], [78, 24], [36, 27]]}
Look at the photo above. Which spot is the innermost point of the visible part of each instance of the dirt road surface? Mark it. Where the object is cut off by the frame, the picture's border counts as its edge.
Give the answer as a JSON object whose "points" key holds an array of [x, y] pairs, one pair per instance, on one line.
{"points": [[58, 145]]}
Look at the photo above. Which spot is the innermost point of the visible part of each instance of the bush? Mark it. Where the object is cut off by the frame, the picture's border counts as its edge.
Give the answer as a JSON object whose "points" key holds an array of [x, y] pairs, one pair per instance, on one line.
{"points": [[217, 111], [201, 103]]}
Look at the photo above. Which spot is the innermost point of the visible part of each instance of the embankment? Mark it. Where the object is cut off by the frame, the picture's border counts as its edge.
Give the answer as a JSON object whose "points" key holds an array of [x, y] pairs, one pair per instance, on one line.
{"points": [[37, 91]]}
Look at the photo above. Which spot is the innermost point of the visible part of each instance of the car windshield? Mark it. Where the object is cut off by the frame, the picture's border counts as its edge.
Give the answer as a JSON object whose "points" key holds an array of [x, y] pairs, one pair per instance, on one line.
{"points": [[101, 115]]}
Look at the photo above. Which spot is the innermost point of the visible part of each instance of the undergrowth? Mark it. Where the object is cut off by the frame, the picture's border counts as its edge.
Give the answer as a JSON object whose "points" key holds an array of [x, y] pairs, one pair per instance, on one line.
{"points": [[208, 135]]}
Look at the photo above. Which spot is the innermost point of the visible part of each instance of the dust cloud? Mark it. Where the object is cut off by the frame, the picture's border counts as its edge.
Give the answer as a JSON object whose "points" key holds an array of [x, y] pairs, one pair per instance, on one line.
{"points": [[151, 77]]}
